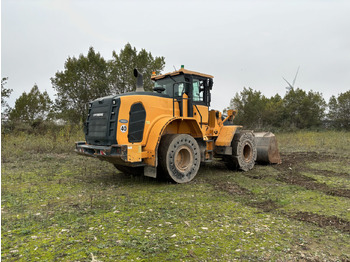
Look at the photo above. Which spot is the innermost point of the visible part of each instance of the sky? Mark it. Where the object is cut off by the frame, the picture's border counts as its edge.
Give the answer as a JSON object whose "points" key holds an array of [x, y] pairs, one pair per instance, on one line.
{"points": [[241, 43]]}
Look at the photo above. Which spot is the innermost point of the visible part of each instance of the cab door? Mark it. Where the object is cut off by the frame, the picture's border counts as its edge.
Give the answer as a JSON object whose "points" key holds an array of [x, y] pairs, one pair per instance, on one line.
{"points": [[200, 103]]}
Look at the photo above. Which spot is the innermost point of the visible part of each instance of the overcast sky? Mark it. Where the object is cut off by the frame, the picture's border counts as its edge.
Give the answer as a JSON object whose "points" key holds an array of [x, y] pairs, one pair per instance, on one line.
{"points": [[242, 43]]}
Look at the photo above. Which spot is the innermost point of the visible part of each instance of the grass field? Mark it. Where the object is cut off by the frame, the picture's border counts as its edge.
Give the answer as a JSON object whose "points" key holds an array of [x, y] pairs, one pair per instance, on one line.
{"points": [[58, 206]]}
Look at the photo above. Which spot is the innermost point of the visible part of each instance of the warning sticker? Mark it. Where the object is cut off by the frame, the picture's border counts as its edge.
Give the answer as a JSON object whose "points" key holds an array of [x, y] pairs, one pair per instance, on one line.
{"points": [[123, 128]]}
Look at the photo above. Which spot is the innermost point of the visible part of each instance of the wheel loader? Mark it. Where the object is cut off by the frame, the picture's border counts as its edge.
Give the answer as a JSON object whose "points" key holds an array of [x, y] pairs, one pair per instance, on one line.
{"points": [[169, 132]]}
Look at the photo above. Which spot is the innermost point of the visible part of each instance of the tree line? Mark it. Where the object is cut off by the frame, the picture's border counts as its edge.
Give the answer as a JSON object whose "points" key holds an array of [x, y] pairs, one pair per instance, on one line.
{"points": [[83, 79], [89, 77], [298, 109]]}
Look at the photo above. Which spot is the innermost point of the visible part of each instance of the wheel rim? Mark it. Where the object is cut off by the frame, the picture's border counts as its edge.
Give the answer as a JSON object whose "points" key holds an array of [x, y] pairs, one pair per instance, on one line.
{"points": [[183, 159], [247, 152]]}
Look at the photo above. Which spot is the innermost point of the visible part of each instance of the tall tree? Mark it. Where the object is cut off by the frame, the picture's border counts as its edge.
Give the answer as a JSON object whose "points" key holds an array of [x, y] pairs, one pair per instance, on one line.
{"points": [[273, 112], [31, 107], [122, 65], [5, 92], [298, 109], [83, 79], [339, 110], [314, 109], [87, 78], [250, 105], [303, 110]]}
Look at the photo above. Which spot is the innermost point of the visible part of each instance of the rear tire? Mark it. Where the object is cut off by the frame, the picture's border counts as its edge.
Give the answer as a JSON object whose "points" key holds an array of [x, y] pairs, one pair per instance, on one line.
{"points": [[244, 152], [179, 157], [129, 170]]}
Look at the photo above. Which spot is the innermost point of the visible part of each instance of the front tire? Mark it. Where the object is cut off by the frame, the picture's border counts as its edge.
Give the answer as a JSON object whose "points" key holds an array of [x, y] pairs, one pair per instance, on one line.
{"points": [[179, 157], [244, 152]]}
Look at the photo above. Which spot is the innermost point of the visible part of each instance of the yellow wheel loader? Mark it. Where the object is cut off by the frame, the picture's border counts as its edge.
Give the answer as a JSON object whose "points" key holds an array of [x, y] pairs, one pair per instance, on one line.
{"points": [[171, 131]]}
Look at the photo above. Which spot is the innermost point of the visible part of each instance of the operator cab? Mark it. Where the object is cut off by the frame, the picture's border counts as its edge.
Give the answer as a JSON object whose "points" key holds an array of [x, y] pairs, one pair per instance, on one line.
{"points": [[196, 85]]}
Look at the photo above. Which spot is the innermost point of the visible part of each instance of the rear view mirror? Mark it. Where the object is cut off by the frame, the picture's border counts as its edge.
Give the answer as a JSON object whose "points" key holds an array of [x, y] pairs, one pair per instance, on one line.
{"points": [[208, 83]]}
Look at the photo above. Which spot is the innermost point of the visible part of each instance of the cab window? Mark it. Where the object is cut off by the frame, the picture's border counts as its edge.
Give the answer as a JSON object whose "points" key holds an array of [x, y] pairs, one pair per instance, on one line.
{"points": [[176, 82], [198, 94]]}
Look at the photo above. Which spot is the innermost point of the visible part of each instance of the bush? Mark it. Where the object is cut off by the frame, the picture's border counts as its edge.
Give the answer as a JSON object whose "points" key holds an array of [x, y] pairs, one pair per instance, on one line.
{"points": [[26, 141]]}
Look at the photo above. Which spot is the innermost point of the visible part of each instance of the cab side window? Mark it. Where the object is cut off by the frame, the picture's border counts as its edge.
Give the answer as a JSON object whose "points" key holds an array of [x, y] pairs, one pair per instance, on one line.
{"points": [[198, 94], [179, 89]]}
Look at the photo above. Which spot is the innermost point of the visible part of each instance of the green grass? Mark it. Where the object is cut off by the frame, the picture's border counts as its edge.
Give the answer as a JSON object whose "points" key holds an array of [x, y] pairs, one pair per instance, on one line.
{"points": [[290, 198], [332, 142], [58, 206], [338, 182], [332, 166]]}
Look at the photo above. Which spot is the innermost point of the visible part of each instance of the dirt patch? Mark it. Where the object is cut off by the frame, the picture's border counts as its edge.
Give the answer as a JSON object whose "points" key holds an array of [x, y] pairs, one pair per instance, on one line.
{"points": [[271, 206], [250, 199], [322, 221], [294, 164], [311, 184], [266, 206], [328, 173], [231, 188], [255, 176], [290, 172], [299, 158]]}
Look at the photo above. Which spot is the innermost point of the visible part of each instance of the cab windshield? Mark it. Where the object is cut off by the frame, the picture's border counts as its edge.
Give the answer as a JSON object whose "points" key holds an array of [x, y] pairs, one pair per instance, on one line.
{"points": [[176, 82]]}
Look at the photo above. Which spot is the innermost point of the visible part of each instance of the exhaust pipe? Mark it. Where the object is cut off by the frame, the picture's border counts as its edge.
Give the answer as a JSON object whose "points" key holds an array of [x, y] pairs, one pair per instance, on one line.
{"points": [[139, 81]]}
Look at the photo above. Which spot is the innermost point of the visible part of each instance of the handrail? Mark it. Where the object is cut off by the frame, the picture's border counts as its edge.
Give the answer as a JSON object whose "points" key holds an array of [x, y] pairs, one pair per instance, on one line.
{"points": [[199, 114], [173, 100]]}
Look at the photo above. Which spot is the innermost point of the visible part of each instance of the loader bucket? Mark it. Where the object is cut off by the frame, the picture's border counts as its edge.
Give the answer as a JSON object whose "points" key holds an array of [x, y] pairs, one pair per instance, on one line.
{"points": [[267, 148]]}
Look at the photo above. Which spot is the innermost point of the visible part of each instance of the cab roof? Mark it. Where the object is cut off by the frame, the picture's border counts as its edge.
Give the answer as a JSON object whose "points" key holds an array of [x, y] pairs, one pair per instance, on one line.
{"points": [[178, 72]]}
